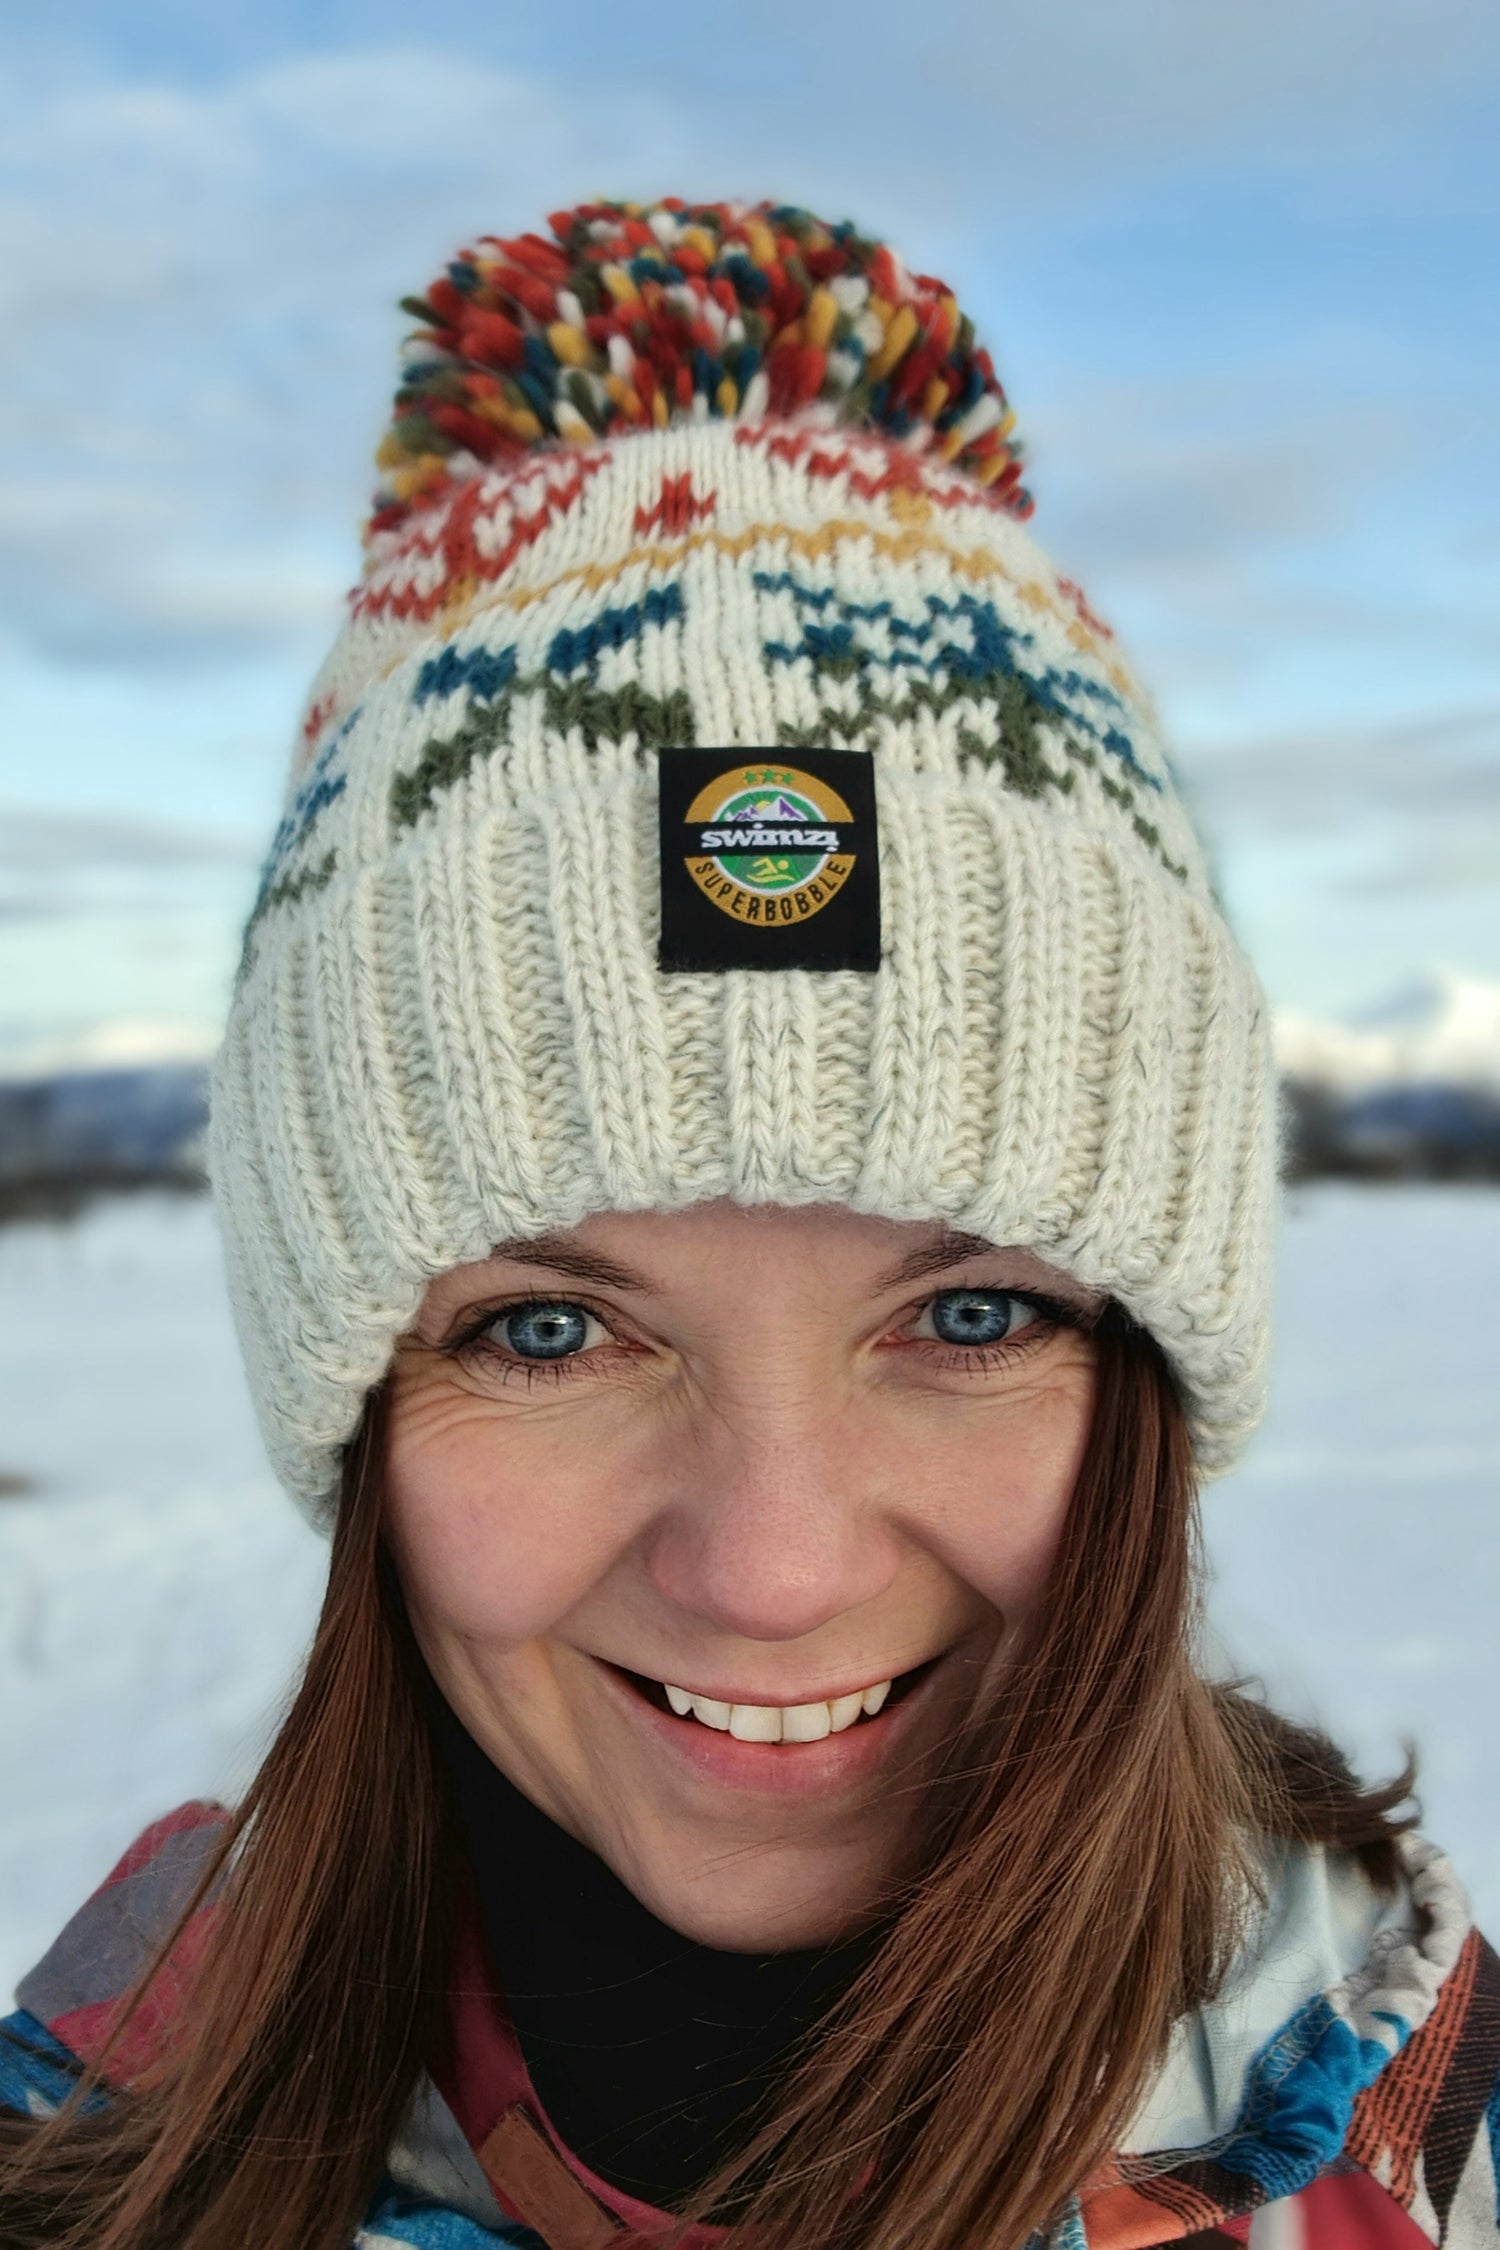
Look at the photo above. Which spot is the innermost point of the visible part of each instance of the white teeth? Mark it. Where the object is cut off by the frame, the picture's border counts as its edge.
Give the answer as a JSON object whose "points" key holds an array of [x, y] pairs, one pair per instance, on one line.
{"points": [[777, 1722], [805, 1722], [755, 1722]]}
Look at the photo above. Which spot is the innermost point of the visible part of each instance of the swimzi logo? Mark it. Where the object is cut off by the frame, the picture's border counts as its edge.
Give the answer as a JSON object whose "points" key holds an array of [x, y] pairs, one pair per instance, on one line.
{"points": [[772, 843], [766, 864]]}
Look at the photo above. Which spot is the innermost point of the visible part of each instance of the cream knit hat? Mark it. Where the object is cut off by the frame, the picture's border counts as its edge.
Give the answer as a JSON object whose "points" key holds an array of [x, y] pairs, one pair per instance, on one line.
{"points": [[715, 792]]}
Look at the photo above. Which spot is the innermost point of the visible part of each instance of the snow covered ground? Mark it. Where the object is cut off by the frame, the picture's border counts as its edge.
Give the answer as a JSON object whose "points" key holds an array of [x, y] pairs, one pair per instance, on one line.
{"points": [[155, 1590]]}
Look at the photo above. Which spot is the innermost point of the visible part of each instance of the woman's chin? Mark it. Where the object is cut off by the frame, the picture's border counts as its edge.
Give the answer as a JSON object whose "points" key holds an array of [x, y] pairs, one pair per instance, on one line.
{"points": [[774, 1901]]}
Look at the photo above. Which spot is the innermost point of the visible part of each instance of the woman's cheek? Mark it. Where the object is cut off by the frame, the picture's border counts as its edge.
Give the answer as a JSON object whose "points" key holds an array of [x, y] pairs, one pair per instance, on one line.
{"points": [[497, 1537], [1003, 1485]]}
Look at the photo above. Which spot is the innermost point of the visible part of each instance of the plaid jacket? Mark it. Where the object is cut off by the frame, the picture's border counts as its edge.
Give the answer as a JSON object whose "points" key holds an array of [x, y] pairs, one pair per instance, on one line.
{"points": [[1341, 2093]]}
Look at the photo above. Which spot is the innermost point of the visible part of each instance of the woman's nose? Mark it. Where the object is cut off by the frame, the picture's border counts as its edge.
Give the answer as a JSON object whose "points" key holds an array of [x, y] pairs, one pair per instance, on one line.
{"points": [[772, 1527]]}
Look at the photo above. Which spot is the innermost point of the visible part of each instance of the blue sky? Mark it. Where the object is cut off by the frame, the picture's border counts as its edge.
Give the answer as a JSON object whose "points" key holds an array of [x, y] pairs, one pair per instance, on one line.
{"points": [[1236, 265]]}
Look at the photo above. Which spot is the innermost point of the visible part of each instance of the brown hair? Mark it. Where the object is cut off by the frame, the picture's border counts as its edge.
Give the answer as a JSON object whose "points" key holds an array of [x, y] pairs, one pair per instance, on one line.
{"points": [[1088, 1873]]}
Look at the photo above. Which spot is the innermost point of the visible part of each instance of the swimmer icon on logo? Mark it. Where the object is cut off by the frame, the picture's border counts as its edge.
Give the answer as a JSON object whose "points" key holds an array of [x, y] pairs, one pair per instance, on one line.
{"points": [[769, 847]]}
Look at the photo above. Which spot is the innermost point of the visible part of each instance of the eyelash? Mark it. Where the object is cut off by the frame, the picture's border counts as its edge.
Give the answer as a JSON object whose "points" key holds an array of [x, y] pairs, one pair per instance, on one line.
{"points": [[510, 1365], [968, 1358], [980, 1359]]}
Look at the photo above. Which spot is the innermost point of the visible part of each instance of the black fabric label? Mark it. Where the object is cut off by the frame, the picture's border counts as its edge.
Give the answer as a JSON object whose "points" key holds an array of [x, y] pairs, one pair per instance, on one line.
{"points": [[769, 860]]}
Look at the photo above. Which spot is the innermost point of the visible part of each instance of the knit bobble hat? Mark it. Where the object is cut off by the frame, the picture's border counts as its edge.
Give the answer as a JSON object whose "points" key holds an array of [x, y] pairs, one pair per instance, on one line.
{"points": [[715, 792]]}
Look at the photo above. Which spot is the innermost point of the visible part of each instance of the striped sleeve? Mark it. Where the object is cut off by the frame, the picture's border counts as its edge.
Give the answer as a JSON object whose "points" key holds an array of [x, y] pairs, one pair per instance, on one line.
{"points": [[1428, 2129]]}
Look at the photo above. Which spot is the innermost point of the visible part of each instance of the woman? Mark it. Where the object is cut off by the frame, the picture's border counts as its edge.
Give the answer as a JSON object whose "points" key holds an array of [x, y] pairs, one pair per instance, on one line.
{"points": [[745, 1149]]}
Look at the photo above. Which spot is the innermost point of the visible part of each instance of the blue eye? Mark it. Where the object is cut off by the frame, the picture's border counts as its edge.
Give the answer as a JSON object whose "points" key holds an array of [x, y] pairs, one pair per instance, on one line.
{"points": [[974, 1316], [548, 1331]]}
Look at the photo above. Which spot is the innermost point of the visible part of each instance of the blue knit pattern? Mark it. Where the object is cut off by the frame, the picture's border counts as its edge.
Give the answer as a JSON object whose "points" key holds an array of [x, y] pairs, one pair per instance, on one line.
{"points": [[1300, 2096], [37, 2072], [573, 649], [963, 643], [426, 2226]]}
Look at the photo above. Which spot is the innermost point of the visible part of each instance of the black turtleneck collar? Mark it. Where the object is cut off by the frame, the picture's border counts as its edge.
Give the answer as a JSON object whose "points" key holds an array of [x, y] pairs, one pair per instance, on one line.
{"points": [[649, 2053]]}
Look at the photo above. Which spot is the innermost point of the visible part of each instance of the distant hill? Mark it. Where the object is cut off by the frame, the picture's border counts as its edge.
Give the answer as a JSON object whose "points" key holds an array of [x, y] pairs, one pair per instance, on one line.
{"points": [[1412, 1090], [124, 1107]]}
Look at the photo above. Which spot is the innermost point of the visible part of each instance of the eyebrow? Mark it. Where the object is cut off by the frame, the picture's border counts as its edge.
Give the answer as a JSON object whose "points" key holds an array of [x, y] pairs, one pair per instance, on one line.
{"points": [[935, 1257], [556, 1256]]}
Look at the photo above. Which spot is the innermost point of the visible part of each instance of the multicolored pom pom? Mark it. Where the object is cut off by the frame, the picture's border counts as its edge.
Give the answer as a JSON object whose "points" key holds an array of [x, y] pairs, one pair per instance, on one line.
{"points": [[636, 316]]}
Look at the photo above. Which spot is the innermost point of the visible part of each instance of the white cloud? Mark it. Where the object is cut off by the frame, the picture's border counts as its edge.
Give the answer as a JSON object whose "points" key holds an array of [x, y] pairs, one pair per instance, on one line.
{"points": [[1152, 82], [1405, 810], [1279, 538], [197, 300], [47, 842], [1169, 474]]}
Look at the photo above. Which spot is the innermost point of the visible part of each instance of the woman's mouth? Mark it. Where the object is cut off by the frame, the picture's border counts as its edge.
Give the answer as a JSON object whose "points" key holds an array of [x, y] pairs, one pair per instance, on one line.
{"points": [[778, 1722]]}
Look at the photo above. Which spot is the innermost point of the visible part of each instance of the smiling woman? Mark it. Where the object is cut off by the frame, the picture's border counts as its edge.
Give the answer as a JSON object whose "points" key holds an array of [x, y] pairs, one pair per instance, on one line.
{"points": [[745, 1150], [653, 1542]]}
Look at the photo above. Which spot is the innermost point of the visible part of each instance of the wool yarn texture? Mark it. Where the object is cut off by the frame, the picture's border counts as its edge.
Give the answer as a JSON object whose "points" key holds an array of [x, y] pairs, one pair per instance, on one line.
{"points": [[724, 480]]}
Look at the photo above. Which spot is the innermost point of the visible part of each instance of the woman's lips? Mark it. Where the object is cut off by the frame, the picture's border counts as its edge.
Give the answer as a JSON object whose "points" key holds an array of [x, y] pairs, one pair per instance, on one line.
{"points": [[837, 1762]]}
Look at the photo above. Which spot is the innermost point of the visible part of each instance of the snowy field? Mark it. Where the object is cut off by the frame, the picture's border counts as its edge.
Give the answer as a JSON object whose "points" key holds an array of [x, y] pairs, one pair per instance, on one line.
{"points": [[155, 1590]]}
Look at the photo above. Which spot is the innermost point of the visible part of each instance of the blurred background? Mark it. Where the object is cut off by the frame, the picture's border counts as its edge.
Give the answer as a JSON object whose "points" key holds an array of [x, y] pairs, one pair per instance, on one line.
{"points": [[1237, 267]]}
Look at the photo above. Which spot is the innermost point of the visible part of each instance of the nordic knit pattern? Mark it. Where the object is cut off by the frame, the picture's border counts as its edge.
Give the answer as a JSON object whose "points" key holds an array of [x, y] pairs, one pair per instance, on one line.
{"points": [[450, 1028]]}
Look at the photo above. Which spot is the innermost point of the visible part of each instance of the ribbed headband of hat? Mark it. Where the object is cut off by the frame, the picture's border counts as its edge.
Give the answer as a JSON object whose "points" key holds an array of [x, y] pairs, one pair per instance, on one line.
{"points": [[715, 792]]}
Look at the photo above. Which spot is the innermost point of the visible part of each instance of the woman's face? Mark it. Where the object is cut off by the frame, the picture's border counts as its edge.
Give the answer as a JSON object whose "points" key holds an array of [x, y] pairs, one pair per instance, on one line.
{"points": [[805, 1468]]}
